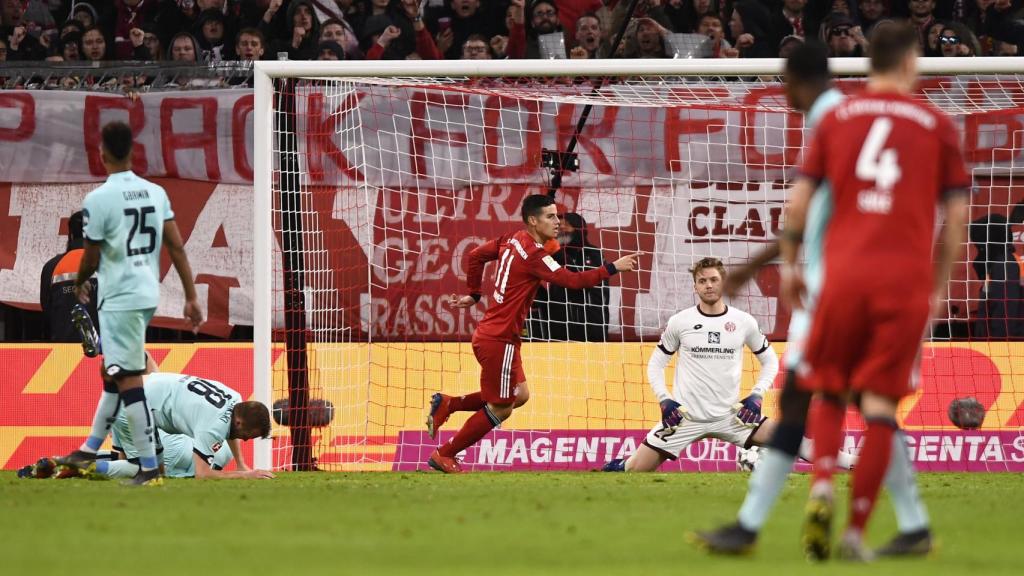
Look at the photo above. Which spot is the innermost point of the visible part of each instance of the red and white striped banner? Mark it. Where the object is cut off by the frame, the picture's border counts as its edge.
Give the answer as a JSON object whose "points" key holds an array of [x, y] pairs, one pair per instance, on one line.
{"points": [[439, 173]]}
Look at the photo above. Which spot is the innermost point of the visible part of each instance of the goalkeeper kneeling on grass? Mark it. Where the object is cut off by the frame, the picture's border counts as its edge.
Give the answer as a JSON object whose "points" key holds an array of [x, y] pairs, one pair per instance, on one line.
{"points": [[704, 402]]}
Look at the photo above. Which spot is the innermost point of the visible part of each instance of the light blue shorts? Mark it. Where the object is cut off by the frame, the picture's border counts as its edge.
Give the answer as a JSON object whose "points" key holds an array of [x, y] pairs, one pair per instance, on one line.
{"points": [[123, 334], [175, 450]]}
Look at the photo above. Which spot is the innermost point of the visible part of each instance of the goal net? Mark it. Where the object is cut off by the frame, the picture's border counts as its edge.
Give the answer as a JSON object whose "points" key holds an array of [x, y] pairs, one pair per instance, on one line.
{"points": [[374, 182]]}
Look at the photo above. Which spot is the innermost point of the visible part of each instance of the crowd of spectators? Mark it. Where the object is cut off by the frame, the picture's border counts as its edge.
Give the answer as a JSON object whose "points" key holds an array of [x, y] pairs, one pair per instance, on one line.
{"points": [[211, 31]]}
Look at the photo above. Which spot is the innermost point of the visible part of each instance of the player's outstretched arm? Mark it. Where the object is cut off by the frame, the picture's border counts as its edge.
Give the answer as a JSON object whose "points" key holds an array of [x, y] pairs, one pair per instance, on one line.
{"points": [[205, 472], [956, 208], [176, 250], [627, 263], [456, 301], [738, 277], [793, 289], [547, 269]]}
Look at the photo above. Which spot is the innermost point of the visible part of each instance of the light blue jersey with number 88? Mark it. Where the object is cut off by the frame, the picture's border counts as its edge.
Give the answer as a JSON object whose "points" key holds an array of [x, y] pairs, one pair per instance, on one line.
{"points": [[198, 408], [126, 217]]}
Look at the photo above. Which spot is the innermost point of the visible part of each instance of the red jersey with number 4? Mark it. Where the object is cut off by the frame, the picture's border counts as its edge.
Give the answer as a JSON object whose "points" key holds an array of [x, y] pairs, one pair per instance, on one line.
{"points": [[522, 265], [890, 161]]}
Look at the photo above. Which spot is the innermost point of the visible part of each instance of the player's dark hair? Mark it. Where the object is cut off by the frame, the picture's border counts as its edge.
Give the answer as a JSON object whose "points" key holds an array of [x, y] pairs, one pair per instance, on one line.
{"points": [[707, 263], [117, 140], [534, 203], [254, 416], [808, 64], [890, 45]]}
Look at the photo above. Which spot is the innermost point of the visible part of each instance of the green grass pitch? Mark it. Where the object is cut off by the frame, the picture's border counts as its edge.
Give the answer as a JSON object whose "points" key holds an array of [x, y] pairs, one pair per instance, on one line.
{"points": [[491, 523]]}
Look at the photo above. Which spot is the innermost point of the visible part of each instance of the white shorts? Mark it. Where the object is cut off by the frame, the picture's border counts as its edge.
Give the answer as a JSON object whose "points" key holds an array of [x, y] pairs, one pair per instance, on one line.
{"points": [[672, 441]]}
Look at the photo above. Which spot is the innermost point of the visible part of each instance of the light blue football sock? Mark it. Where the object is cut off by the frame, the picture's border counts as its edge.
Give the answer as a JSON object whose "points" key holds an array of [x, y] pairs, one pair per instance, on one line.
{"points": [[142, 427], [117, 468], [766, 482], [911, 515], [102, 420]]}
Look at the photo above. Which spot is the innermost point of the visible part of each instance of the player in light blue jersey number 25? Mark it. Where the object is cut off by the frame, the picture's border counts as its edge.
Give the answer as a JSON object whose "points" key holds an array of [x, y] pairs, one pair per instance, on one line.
{"points": [[127, 220]]}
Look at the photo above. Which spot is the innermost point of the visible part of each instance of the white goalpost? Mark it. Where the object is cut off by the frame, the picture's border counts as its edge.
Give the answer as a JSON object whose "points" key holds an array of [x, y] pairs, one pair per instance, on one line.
{"points": [[373, 180]]}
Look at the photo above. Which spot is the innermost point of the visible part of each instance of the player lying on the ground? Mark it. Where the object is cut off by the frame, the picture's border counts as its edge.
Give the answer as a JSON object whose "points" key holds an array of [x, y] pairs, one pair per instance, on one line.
{"points": [[208, 413], [709, 338], [177, 456], [809, 90], [174, 451]]}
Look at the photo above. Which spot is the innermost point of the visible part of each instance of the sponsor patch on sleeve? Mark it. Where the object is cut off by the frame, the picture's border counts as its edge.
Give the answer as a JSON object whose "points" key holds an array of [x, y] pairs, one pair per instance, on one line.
{"points": [[551, 264]]}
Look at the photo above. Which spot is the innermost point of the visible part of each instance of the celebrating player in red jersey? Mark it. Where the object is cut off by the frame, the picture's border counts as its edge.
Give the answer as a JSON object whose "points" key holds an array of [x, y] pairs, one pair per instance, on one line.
{"points": [[524, 261], [892, 161]]}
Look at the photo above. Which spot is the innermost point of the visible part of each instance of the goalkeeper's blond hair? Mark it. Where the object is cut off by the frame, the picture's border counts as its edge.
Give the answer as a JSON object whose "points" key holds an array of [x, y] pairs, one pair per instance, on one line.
{"points": [[706, 263]]}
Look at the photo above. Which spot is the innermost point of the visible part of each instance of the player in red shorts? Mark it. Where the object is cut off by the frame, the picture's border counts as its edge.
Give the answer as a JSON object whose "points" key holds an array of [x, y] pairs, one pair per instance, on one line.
{"points": [[892, 161], [524, 261]]}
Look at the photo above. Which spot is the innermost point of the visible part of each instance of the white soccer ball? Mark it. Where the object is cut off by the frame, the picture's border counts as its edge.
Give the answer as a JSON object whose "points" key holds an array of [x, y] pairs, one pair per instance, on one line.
{"points": [[746, 459]]}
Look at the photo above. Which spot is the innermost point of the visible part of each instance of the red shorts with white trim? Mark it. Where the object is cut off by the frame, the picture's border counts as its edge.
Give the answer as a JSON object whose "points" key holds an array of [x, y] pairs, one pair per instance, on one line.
{"points": [[865, 341], [501, 369]]}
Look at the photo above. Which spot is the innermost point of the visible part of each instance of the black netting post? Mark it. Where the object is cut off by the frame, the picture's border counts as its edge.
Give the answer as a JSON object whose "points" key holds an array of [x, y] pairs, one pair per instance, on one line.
{"points": [[559, 162], [293, 266]]}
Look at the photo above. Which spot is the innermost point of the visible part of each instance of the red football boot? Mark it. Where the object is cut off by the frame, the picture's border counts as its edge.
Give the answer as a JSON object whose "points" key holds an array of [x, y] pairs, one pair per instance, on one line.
{"points": [[445, 464], [439, 413]]}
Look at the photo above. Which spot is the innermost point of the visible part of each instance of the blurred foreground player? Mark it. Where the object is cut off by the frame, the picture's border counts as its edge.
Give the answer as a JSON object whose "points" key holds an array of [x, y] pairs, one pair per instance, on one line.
{"points": [[524, 261], [126, 221], [891, 162], [809, 90]]}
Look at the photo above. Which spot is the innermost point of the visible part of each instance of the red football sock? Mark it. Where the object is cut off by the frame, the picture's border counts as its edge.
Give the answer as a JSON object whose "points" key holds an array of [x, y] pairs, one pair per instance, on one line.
{"points": [[474, 429], [468, 403], [827, 419], [870, 470]]}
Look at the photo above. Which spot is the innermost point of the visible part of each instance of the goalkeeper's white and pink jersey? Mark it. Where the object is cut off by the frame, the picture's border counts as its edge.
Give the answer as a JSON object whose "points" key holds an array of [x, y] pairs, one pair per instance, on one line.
{"points": [[710, 364]]}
